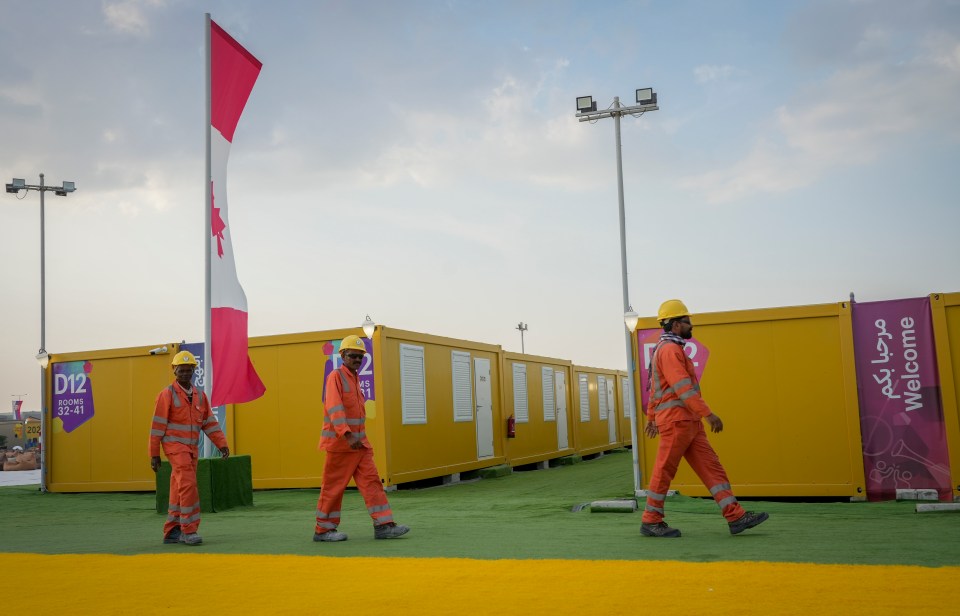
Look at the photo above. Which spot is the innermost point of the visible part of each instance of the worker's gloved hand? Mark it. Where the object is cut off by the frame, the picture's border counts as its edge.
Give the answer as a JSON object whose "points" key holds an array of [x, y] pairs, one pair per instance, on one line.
{"points": [[155, 463], [716, 425], [224, 452], [651, 429]]}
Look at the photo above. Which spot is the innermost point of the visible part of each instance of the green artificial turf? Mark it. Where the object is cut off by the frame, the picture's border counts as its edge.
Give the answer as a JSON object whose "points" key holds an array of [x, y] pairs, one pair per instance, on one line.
{"points": [[522, 515]]}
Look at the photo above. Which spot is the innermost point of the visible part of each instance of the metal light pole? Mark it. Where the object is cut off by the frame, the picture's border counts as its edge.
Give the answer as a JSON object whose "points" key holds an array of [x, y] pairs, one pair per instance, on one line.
{"points": [[521, 327], [587, 112], [42, 357]]}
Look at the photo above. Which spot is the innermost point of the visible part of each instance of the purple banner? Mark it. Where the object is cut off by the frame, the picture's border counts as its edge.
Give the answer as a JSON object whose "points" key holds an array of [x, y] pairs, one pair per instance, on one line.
{"points": [[364, 374], [72, 393], [647, 341], [901, 417]]}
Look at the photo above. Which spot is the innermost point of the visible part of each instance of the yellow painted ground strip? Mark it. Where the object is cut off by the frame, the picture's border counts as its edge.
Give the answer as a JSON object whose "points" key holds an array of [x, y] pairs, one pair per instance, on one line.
{"points": [[213, 583]]}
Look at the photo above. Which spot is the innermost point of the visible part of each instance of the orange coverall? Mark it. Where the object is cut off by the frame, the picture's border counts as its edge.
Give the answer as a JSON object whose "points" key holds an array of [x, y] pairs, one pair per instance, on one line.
{"points": [[344, 413], [177, 422], [677, 408]]}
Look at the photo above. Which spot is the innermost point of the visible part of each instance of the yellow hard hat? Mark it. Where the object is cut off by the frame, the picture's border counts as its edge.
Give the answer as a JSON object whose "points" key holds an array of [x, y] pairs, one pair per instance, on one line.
{"points": [[352, 343], [672, 309], [184, 357]]}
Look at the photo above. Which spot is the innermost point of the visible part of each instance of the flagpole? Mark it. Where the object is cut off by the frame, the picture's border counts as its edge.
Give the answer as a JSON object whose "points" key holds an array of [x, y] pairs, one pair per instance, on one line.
{"points": [[208, 197]]}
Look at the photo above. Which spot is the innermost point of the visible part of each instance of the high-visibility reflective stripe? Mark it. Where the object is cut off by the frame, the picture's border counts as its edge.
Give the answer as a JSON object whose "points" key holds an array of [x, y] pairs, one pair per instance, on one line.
{"points": [[156, 432], [211, 430], [689, 394], [177, 439], [324, 514], [159, 420], [682, 383], [327, 525], [360, 434], [386, 519], [355, 422], [176, 398], [192, 518], [377, 508], [656, 496], [727, 501], [650, 507], [655, 374], [339, 421], [720, 487], [173, 518], [669, 404], [339, 407], [210, 419], [328, 433], [346, 383], [183, 427]]}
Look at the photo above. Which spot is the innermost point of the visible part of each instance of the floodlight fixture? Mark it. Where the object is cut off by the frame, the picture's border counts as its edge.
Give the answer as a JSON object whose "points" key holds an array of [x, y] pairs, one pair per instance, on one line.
{"points": [[646, 96], [585, 104], [68, 187]]}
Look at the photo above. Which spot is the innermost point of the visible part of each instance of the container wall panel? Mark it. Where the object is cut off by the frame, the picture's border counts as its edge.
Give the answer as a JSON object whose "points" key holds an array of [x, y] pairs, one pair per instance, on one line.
{"points": [[441, 445], [593, 436], [537, 439], [946, 328], [109, 451]]}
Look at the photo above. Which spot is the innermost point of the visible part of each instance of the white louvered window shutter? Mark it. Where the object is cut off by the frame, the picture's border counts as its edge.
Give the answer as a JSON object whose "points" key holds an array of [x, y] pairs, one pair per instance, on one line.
{"points": [[584, 397], [627, 399], [602, 390], [413, 392], [549, 395], [521, 411], [462, 386]]}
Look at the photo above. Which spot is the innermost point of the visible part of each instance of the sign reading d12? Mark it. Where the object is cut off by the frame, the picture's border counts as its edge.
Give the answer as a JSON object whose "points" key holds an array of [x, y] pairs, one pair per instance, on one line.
{"points": [[72, 393]]}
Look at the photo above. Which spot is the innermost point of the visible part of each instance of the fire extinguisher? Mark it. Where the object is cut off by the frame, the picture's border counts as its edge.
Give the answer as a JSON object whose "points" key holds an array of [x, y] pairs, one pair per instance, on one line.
{"points": [[511, 427]]}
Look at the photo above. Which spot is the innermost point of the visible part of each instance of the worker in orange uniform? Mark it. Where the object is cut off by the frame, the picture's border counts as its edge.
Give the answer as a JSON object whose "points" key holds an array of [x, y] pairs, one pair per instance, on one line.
{"points": [[349, 453], [182, 411], [674, 411]]}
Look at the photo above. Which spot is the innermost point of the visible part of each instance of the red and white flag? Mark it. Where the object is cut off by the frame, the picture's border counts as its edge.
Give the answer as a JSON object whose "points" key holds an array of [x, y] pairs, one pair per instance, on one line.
{"points": [[232, 73], [16, 409]]}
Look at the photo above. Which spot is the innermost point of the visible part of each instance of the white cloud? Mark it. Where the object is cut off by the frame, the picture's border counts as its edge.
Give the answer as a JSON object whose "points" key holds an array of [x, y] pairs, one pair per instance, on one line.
{"points": [[128, 15], [705, 73], [853, 117]]}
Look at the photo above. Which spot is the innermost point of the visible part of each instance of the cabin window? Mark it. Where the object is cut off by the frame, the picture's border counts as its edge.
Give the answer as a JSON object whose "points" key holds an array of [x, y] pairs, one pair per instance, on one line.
{"points": [[462, 386], [584, 381], [602, 396], [521, 410], [413, 392]]}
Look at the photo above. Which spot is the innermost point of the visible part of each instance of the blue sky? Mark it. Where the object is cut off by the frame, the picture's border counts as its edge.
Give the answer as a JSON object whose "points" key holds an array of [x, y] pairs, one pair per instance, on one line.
{"points": [[802, 150]]}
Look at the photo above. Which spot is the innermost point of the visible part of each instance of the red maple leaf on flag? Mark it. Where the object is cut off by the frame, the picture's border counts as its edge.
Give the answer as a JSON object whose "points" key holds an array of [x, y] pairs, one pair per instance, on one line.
{"points": [[216, 223]]}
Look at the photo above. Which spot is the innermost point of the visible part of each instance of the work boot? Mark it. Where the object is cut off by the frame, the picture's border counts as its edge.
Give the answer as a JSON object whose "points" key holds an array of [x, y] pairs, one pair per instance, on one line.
{"points": [[747, 520], [389, 530], [173, 536], [330, 535], [660, 529], [191, 539]]}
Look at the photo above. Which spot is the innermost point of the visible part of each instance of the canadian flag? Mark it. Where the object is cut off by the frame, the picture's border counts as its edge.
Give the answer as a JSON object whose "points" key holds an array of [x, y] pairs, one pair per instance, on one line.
{"points": [[232, 73]]}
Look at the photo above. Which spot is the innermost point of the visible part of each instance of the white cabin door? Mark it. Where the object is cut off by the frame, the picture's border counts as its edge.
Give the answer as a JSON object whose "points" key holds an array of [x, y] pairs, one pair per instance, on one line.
{"points": [[560, 387], [611, 411], [481, 375]]}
